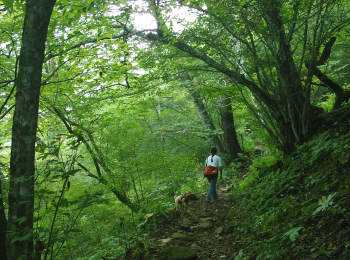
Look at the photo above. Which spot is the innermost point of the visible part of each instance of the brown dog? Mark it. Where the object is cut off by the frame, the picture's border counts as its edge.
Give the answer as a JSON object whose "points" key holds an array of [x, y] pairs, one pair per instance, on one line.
{"points": [[181, 201]]}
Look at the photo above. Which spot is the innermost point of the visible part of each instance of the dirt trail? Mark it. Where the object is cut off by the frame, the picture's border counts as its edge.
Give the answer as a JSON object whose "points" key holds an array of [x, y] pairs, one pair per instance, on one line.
{"points": [[202, 228]]}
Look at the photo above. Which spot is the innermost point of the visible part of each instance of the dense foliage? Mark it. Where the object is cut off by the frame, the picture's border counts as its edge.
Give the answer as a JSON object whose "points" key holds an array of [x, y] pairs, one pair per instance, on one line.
{"points": [[123, 117]]}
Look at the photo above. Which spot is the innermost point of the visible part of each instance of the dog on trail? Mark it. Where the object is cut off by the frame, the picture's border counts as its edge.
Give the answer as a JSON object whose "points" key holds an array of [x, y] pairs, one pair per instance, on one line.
{"points": [[181, 201]]}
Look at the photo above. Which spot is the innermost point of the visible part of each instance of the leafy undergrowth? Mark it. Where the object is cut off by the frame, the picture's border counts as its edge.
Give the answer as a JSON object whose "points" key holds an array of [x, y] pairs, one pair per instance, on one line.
{"points": [[299, 207]]}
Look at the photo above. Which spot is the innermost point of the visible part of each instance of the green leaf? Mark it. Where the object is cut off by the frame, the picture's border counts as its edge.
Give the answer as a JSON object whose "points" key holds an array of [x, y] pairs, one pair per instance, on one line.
{"points": [[325, 203], [8, 5], [293, 233]]}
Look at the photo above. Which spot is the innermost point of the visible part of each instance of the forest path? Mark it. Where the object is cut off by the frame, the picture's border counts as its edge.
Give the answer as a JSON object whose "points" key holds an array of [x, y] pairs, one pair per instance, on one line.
{"points": [[202, 228]]}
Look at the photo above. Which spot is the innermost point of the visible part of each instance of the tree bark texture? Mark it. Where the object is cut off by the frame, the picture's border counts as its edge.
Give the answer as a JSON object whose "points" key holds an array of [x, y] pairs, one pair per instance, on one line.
{"points": [[21, 193], [230, 140]]}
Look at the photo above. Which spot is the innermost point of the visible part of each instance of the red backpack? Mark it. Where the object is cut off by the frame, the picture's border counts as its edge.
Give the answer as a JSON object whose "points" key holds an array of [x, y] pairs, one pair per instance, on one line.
{"points": [[210, 170]]}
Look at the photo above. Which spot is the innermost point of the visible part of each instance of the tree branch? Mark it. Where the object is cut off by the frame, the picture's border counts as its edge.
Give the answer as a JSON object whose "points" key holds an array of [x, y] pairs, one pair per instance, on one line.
{"points": [[7, 111], [83, 43], [7, 98], [326, 51], [89, 173], [233, 75], [98, 161]]}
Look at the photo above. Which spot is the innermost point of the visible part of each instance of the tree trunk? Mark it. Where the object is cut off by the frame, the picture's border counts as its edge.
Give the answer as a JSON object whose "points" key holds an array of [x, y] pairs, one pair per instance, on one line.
{"points": [[206, 119], [3, 223], [294, 106], [230, 140], [21, 192]]}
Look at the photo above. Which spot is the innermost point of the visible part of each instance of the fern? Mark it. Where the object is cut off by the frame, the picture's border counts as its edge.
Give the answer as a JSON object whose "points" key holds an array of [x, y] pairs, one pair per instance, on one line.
{"points": [[325, 203]]}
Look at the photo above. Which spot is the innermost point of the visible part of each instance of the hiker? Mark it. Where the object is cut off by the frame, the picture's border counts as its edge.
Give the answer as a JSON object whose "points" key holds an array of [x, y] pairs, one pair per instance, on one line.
{"points": [[213, 162]]}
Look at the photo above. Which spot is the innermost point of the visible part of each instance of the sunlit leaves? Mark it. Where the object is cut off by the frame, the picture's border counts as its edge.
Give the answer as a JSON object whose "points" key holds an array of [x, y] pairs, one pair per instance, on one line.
{"points": [[8, 4]]}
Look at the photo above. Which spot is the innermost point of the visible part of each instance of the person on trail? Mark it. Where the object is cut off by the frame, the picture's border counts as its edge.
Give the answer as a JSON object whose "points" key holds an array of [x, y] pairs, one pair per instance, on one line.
{"points": [[215, 161]]}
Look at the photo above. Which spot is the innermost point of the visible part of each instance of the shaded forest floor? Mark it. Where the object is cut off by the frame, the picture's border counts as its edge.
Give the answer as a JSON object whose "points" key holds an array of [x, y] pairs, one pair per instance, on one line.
{"points": [[201, 228]]}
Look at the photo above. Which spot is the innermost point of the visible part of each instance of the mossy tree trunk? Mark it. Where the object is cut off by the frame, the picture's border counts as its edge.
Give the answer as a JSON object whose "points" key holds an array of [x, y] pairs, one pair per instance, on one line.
{"points": [[28, 82], [229, 137]]}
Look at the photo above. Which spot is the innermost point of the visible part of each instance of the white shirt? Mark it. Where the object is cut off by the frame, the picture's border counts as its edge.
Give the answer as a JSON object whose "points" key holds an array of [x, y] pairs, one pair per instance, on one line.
{"points": [[216, 162]]}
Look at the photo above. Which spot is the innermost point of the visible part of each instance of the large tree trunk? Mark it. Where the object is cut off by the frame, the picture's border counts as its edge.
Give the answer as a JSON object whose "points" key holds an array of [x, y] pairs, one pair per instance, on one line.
{"points": [[294, 106], [230, 140], [3, 223], [21, 193], [206, 119]]}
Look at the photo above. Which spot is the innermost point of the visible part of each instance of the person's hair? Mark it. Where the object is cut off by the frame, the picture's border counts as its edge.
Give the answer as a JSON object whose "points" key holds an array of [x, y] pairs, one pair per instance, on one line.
{"points": [[213, 150]]}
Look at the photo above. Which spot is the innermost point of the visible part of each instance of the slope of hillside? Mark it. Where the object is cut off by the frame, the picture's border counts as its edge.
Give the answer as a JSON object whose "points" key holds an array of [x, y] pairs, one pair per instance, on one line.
{"points": [[297, 208]]}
